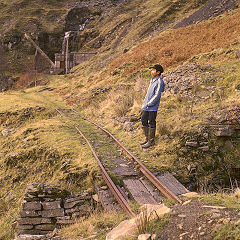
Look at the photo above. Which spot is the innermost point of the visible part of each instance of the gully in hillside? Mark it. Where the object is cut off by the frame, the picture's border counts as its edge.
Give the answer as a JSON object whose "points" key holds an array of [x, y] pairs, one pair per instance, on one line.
{"points": [[150, 105]]}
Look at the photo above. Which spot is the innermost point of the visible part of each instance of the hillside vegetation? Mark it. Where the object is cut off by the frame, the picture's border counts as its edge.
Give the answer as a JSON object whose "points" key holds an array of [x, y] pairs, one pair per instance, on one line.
{"points": [[112, 26], [202, 72]]}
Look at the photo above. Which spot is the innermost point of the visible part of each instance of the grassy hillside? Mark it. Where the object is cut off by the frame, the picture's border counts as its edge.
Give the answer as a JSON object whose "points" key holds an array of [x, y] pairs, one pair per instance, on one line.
{"points": [[124, 26], [111, 27], [115, 94], [31, 16], [171, 48], [39, 147]]}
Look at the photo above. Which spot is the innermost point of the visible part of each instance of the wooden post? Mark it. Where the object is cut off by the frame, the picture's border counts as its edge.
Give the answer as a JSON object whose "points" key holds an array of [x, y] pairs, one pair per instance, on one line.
{"points": [[67, 57], [39, 50]]}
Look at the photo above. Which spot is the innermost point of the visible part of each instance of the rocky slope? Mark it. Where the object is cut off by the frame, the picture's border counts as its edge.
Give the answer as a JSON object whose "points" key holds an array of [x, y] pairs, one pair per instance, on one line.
{"points": [[108, 27]]}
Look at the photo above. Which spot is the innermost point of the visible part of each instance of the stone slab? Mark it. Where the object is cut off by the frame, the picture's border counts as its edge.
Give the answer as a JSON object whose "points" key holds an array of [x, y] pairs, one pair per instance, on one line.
{"points": [[47, 196], [107, 200], [30, 237], [34, 188], [72, 199], [78, 215], [35, 199], [64, 218], [45, 227], [73, 204], [30, 213], [123, 170], [191, 144], [51, 205], [32, 206], [53, 213], [28, 195], [65, 221], [156, 194], [33, 221], [34, 232], [83, 208], [24, 227], [224, 132]]}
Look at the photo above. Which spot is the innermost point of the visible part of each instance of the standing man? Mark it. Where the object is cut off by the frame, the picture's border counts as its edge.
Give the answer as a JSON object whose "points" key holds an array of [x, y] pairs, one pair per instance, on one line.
{"points": [[150, 105]]}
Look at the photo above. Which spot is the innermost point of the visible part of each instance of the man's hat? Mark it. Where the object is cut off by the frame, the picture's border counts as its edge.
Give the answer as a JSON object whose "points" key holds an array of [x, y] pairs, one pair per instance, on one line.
{"points": [[158, 68]]}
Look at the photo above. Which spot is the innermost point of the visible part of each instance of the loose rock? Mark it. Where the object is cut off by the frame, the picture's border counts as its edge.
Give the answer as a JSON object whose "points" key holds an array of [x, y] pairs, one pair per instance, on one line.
{"points": [[5, 132], [144, 237]]}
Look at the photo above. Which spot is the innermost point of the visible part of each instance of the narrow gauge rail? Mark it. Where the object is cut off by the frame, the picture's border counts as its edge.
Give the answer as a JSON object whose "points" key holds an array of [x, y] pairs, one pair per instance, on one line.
{"points": [[164, 190], [114, 189]]}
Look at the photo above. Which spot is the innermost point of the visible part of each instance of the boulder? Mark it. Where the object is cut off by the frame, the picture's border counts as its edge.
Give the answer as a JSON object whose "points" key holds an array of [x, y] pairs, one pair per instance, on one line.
{"points": [[124, 229], [128, 228]]}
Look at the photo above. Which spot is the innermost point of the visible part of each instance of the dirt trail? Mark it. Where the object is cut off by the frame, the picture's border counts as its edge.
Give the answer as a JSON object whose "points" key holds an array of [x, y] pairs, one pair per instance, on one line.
{"points": [[199, 221]]}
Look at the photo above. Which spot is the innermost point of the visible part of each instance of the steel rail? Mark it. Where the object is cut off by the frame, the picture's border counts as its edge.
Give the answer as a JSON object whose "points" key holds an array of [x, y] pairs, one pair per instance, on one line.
{"points": [[124, 204], [164, 190], [113, 188]]}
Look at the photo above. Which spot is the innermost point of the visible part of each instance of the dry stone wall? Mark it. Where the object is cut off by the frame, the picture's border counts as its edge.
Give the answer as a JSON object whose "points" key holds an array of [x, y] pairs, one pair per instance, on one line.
{"points": [[209, 151], [47, 208]]}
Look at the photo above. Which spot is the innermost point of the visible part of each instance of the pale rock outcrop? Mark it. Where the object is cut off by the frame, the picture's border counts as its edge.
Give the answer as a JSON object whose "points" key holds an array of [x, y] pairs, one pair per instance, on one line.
{"points": [[144, 237], [190, 195], [128, 228]]}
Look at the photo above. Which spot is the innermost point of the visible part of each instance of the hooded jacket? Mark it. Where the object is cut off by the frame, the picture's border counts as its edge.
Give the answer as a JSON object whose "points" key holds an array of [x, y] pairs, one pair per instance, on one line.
{"points": [[153, 96]]}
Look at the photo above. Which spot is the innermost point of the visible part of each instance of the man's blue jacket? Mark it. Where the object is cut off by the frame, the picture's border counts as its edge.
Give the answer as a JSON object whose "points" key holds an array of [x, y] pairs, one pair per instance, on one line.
{"points": [[153, 96]]}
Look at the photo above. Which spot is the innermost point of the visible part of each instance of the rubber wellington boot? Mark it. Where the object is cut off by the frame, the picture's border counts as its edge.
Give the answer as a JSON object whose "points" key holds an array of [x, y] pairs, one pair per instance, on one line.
{"points": [[151, 138], [145, 131]]}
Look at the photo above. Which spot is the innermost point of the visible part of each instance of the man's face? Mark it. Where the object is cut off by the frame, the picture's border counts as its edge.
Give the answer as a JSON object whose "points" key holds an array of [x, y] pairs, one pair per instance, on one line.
{"points": [[154, 72]]}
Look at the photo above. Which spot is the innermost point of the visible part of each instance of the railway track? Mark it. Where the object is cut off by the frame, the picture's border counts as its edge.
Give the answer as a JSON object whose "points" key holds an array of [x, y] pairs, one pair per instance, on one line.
{"points": [[130, 179]]}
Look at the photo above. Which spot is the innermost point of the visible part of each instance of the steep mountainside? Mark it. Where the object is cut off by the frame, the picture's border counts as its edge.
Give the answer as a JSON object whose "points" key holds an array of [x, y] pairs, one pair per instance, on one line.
{"points": [[109, 26]]}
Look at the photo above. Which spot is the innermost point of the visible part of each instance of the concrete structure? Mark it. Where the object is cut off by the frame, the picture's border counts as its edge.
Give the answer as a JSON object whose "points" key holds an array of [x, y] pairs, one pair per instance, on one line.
{"points": [[74, 58]]}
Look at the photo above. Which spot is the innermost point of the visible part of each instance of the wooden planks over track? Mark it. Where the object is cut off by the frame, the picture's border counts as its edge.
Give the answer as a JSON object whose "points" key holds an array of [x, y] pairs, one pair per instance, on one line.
{"points": [[170, 182], [139, 192]]}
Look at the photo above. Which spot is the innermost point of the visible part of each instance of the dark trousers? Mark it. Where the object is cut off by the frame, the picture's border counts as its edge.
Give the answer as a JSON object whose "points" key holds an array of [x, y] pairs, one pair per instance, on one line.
{"points": [[149, 119]]}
